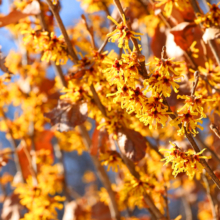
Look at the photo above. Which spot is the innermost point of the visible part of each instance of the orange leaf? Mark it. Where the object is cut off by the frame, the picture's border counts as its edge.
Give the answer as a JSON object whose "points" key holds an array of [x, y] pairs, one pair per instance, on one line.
{"points": [[183, 34], [100, 142], [132, 144], [14, 16], [211, 34]]}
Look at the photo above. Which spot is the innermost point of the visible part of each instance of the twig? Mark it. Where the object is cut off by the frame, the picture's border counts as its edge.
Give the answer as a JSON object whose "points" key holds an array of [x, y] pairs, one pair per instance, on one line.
{"points": [[210, 42], [167, 203], [134, 41], [147, 198], [59, 73], [215, 129], [208, 148], [90, 30], [188, 211], [32, 170], [105, 8], [210, 197], [206, 80], [192, 141], [195, 83], [86, 138], [13, 144], [102, 174], [98, 101], [63, 30]]}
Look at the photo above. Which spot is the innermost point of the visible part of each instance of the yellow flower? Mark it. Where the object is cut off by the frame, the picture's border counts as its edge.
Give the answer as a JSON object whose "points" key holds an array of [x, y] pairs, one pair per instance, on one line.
{"points": [[194, 50], [169, 4], [212, 18], [91, 6], [188, 162], [111, 159], [188, 121], [193, 103], [122, 34], [210, 72]]}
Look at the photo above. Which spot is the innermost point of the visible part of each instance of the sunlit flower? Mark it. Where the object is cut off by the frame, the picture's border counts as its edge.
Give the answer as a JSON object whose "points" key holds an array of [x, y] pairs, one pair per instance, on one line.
{"points": [[188, 162]]}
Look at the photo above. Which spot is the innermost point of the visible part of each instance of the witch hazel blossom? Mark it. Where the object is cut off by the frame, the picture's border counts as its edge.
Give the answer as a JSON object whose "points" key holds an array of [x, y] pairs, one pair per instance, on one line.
{"points": [[188, 162]]}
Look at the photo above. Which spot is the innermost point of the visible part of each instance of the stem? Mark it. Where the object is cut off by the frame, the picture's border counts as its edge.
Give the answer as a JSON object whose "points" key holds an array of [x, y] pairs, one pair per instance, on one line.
{"points": [[13, 144], [211, 43], [102, 174], [32, 170], [105, 8], [134, 41], [147, 198], [198, 139], [195, 83], [63, 30], [188, 211], [202, 161], [167, 203], [90, 31], [210, 197], [98, 101], [214, 128], [115, 214]]}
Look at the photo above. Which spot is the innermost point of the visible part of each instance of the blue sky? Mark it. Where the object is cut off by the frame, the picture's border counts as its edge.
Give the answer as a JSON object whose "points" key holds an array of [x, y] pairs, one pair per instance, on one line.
{"points": [[70, 13]]}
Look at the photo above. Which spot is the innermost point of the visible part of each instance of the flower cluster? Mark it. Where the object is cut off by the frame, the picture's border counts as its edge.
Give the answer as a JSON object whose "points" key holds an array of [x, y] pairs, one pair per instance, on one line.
{"points": [[163, 76], [188, 162], [122, 34], [180, 4], [38, 196], [212, 18], [53, 48]]}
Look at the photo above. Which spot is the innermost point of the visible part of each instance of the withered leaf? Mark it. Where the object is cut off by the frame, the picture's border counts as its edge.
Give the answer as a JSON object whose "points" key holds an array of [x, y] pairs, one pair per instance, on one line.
{"points": [[183, 34], [66, 116], [132, 144], [2, 64], [158, 41], [211, 34], [11, 208], [77, 210], [100, 142], [100, 211], [14, 16]]}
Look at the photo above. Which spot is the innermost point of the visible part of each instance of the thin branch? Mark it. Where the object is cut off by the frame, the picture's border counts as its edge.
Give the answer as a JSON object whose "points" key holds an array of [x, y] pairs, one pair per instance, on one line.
{"points": [[215, 129], [63, 31], [134, 41], [189, 136], [60, 74], [188, 211], [90, 30], [195, 83], [147, 198], [13, 144], [167, 203], [97, 100], [211, 43], [210, 197], [105, 8], [86, 138], [32, 170], [198, 139]]}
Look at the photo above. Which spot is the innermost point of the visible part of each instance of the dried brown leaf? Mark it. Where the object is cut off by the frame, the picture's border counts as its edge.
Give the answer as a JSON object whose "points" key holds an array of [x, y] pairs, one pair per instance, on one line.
{"points": [[132, 144], [14, 16], [66, 116], [100, 142], [11, 208], [183, 34], [211, 34]]}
